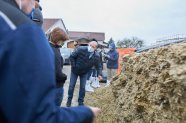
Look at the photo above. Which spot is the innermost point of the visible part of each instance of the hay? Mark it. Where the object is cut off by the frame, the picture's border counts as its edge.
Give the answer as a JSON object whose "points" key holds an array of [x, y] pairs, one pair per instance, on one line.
{"points": [[151, 89]]}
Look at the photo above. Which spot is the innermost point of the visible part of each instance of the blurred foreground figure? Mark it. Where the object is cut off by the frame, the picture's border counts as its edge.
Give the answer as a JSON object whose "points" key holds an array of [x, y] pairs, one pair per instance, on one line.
{"points": [[27, 72]]}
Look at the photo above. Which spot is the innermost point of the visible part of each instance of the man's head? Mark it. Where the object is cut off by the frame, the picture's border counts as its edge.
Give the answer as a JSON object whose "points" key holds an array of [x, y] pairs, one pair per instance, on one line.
{"points": [[92, 46], [36, 4], [26, 5], [58, 36]]}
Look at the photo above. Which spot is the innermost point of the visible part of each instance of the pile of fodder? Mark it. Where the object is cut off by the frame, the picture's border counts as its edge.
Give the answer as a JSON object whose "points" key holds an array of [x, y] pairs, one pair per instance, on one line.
{"points": [[151, 88], [103, 98]]}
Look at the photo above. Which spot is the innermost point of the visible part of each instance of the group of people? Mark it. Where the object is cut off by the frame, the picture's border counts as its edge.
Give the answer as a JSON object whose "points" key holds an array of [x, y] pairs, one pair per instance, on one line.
{"points": [[86, 63], [31, 77], [27, 71], [111, 58]]}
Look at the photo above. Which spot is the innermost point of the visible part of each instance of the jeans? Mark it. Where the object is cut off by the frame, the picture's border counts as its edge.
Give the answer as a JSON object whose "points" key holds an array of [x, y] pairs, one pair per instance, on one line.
{"points": [[73, 79], [59, 96]]}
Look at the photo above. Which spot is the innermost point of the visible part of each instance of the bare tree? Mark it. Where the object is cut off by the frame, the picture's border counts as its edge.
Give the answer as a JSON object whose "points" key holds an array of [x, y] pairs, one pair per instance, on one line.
{"points": [[134, 42]]}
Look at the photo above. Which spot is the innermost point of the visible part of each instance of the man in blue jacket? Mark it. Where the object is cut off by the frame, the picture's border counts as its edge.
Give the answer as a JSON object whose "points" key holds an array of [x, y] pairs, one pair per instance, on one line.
{"points": [[112, 62], [27, 72], [82, 60]]}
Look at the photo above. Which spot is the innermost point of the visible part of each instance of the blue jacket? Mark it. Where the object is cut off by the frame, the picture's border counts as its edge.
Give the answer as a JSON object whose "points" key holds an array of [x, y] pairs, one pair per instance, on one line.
{"points": [[27, 80], [112, 60], [81, 61]]}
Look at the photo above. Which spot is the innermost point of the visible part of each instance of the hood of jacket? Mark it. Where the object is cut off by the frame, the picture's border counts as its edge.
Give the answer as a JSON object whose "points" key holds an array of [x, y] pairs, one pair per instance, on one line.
{"points": [[112, 46]]}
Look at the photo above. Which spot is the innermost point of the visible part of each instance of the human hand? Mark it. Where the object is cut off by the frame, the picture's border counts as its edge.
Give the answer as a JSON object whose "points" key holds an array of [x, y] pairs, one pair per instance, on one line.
{"points": [[100, 77], [106, 56], [95, 111]]}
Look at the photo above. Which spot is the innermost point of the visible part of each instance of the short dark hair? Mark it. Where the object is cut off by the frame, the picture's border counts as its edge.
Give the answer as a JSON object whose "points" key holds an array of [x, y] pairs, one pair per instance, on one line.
{"points": [[94, 40], [82, 39]]}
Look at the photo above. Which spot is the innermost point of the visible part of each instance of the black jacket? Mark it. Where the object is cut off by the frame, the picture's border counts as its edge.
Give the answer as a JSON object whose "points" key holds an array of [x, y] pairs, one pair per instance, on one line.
{"points": [[60, 76], [81, 62]]}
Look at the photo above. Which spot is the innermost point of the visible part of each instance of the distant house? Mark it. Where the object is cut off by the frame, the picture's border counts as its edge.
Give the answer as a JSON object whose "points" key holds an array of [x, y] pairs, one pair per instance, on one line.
{"points": [[50, 23], [74, 35], [99, 36]]}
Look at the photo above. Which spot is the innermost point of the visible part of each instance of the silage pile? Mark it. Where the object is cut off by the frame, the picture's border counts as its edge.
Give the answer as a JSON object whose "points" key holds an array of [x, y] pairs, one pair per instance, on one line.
{"points": [[151, 89]]}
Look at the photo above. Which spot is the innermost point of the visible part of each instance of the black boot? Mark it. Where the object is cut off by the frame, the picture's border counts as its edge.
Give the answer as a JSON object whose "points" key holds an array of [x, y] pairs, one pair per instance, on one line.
{"points": [[81, 104], [68, 104]]}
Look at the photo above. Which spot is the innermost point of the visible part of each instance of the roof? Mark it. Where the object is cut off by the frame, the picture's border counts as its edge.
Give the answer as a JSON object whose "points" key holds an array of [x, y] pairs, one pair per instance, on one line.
{"points": [[143, 49], [74, 35], [48, 23]]}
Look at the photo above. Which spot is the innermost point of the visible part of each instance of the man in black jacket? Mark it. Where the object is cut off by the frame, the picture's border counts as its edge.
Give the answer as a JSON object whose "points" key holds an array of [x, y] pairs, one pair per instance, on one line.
{"points": [[82, 60], [57, 36]]}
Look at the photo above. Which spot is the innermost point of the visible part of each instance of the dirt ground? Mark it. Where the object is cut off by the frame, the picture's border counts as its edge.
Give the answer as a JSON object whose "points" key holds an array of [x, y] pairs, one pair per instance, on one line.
{"points": [[150, 89]]}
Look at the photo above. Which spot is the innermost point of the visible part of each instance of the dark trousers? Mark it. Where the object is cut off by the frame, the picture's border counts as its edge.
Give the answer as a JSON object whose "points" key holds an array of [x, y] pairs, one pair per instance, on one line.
{"points": [[73, 79]]}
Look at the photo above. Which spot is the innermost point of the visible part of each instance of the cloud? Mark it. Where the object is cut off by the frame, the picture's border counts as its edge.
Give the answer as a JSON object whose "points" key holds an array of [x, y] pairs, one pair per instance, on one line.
{"points": [[146, 19]]}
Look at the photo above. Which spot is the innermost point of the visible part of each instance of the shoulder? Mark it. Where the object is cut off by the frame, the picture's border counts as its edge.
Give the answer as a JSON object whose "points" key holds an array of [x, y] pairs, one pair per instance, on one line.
{"points": [[13, 20], [82, 49], [12, 14], [97, 53]]}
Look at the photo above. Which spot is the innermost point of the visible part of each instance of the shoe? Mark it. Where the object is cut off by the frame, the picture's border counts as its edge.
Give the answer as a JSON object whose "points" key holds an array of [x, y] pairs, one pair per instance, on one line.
{"points": [[81, 104], [95, 83], [68, 104], [88, 87], [92, 79]]}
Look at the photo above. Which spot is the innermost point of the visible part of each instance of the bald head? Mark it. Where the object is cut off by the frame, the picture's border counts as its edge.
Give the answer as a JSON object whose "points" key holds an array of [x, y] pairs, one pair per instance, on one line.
{"points": [[93, 44]]}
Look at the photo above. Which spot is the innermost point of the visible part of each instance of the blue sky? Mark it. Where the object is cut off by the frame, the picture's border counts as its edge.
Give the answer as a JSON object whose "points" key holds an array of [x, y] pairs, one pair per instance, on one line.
{"points": [[146, 19]]}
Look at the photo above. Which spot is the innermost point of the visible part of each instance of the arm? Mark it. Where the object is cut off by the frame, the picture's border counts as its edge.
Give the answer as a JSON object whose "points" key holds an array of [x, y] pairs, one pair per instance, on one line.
{"points": [[60, 76], [28, 86], [98, 65]]}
